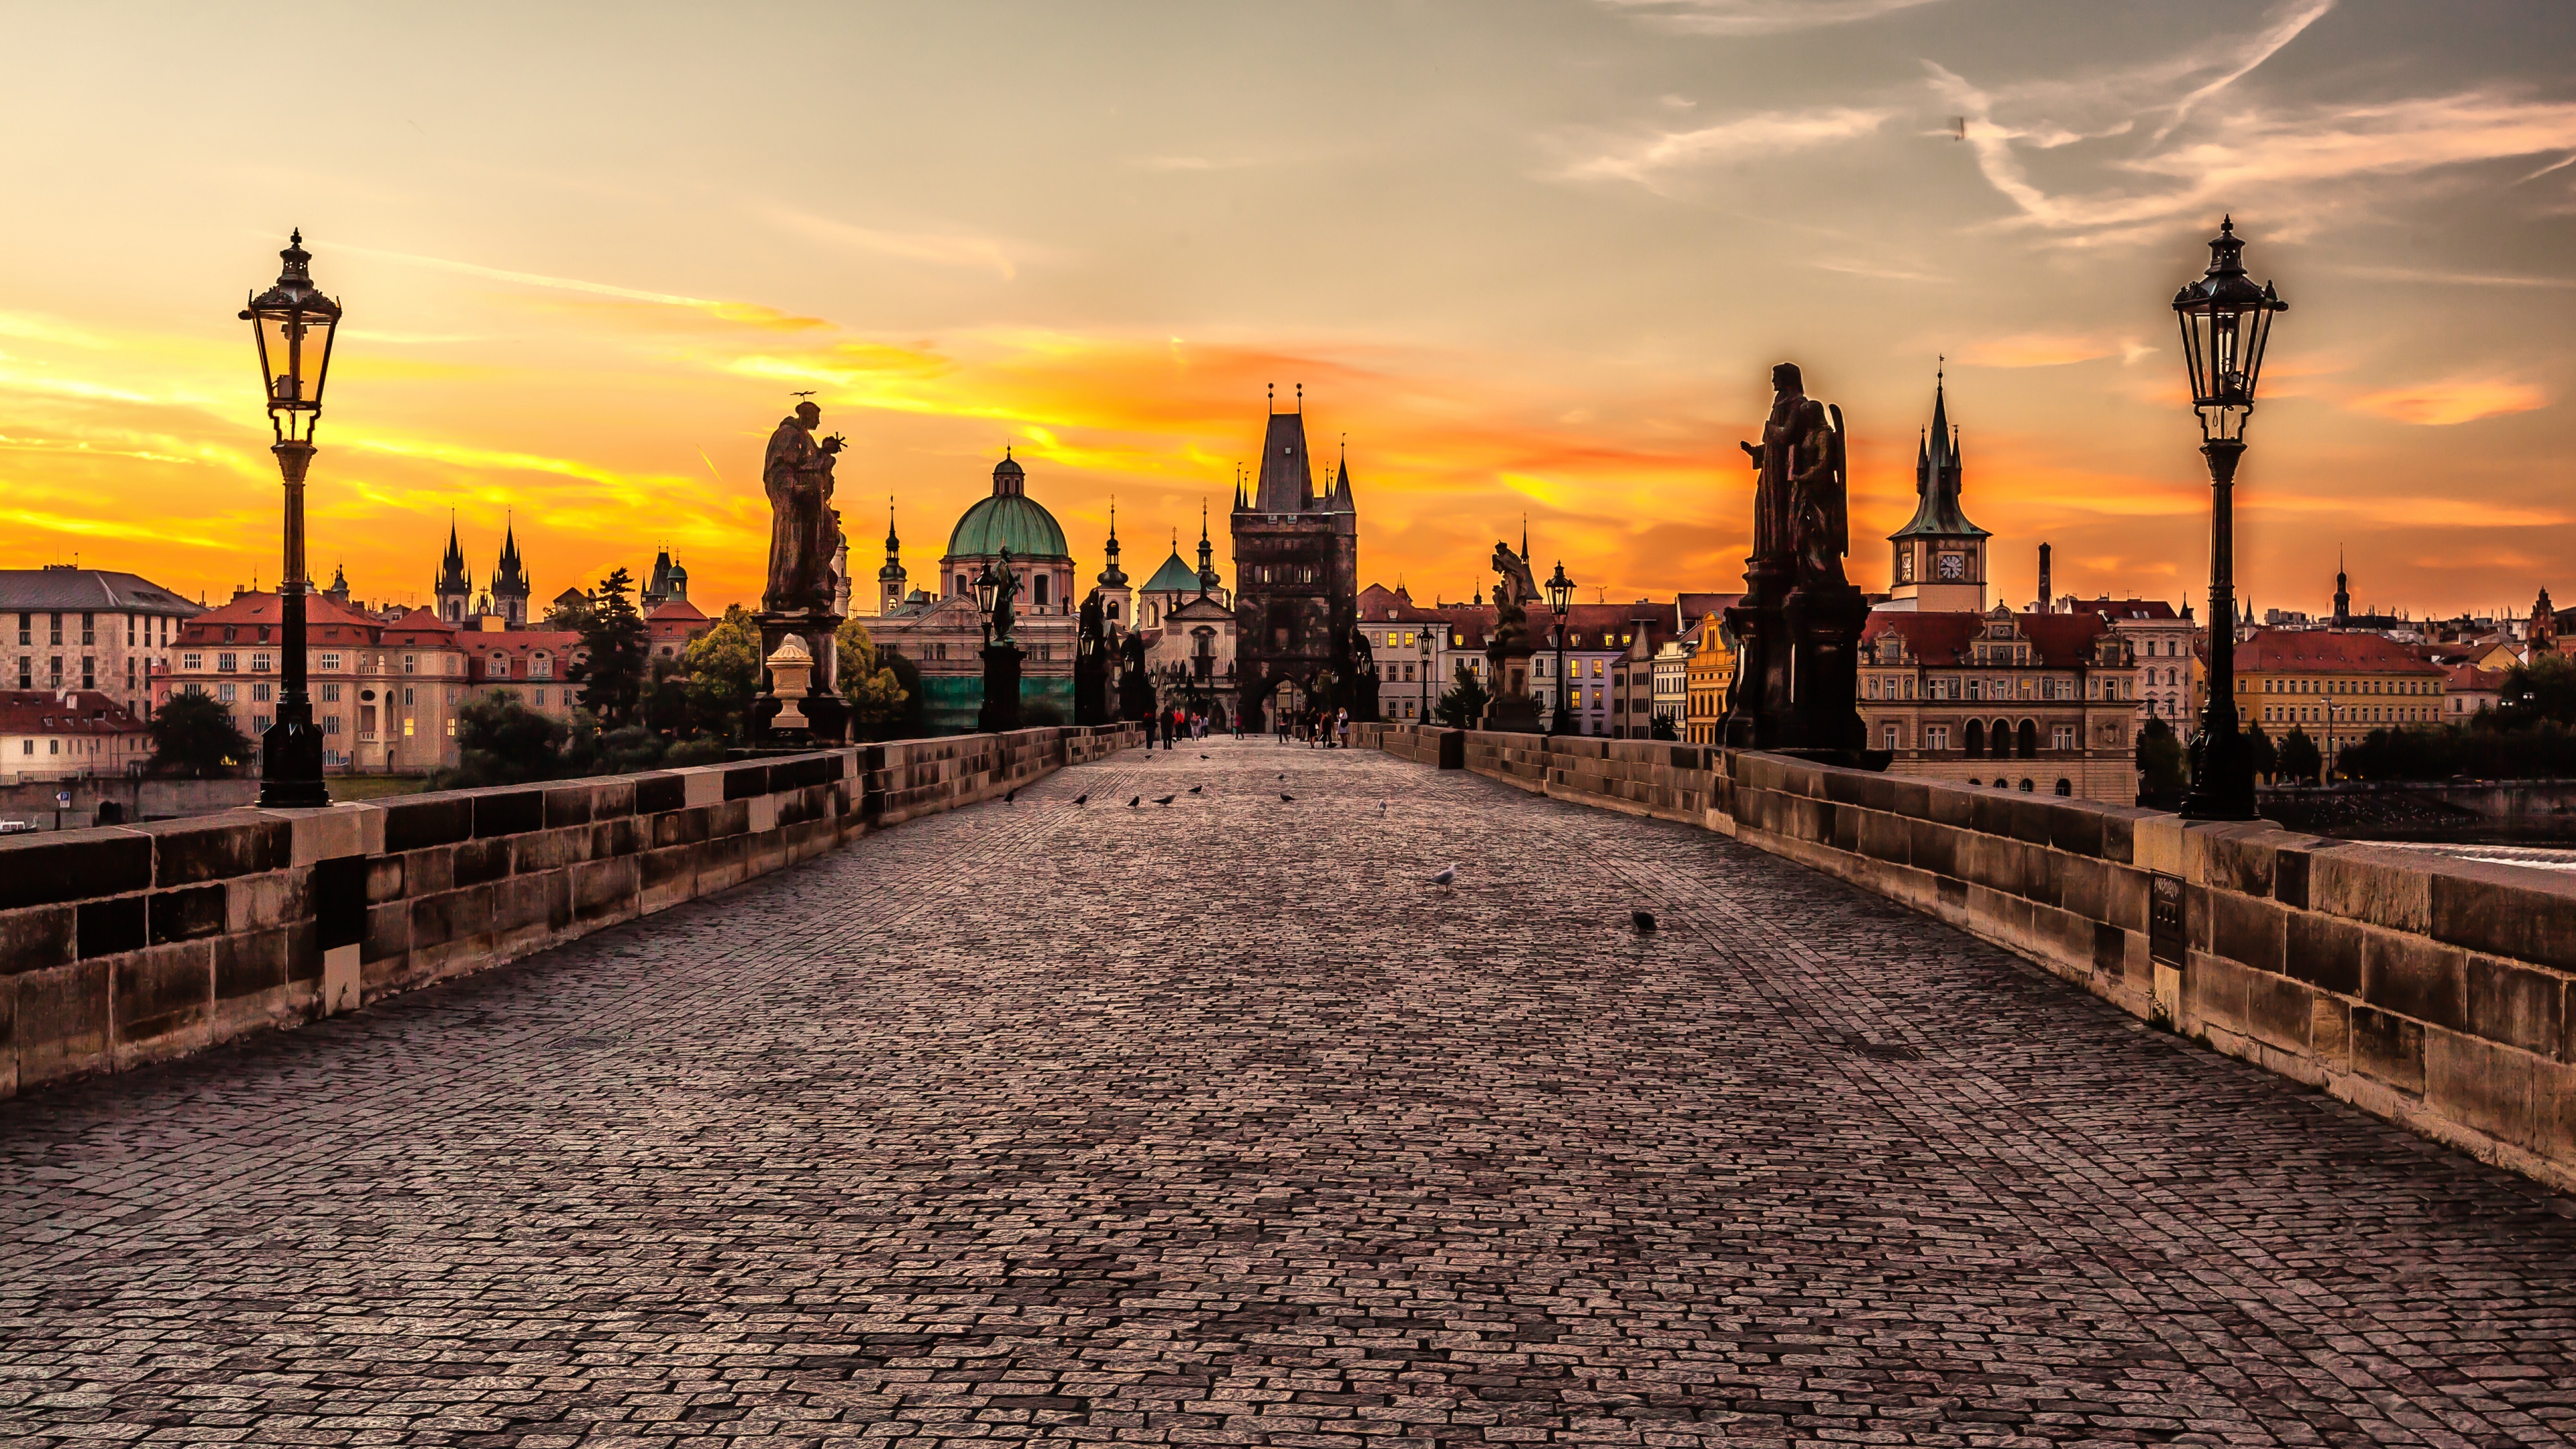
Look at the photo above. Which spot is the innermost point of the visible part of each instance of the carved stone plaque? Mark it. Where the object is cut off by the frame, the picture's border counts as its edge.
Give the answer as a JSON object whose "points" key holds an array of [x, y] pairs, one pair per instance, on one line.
{"points": [[2167, 940]]}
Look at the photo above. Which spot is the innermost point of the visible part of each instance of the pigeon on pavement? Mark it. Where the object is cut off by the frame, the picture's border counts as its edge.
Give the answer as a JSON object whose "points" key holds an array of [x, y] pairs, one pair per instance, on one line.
{"points": [[1011, 796], [1448, 876], [1135, 800], [1644, 921], [1165, 799], [1083, 798], [1194, 789], [1287, 798]]}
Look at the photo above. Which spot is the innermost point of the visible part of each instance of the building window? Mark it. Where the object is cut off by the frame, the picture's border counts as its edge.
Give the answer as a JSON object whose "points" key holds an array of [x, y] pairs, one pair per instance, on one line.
{"points": [[541, 699], [2065, 786], [224, 692], [407, 696], [330, 694], [260, 692], [542, 667], [2062, 737], [1937, 737], [329, 662], [330, 724], [1888, 737], [227, 663]]}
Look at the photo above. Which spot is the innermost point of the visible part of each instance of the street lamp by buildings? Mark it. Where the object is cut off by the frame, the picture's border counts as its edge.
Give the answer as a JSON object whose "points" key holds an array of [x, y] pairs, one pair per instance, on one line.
{"points": [[2226, 323], [1424, 639], [1560, 594], [292, 324], [1001, 710]]}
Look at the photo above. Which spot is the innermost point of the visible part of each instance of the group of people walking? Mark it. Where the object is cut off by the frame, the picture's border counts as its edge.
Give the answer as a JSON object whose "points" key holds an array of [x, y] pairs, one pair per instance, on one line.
{"points": [[1178, 723], [1317, 728]]}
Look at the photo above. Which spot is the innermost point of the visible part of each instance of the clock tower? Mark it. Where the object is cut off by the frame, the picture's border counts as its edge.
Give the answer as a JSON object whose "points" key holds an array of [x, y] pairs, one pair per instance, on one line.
{"points": [[1939, 564]]}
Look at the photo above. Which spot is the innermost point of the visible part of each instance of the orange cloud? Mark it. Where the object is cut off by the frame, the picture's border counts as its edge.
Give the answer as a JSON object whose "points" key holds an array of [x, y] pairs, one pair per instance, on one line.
{"points": [[2442, 404]]}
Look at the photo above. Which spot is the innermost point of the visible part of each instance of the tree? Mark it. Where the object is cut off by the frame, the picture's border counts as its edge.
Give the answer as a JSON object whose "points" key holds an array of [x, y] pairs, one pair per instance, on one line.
{"points": [[1463, 706], [193, 735], [574, 616], [2299, 759], [724, 672], [913, 718], [868, 680], [1662, 728], [611, 674], [500, 741], [2258, 748], [2543, 689], [2163, 770]]}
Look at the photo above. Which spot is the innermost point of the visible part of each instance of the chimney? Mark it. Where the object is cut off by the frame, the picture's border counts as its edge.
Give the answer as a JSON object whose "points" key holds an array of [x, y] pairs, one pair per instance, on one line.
{"points": [[2044, 594]]}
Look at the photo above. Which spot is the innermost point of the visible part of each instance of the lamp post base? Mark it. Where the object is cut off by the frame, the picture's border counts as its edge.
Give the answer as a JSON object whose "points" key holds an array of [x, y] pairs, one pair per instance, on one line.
{"points": [[290, 761], [1001, 711], [2222, 776]]}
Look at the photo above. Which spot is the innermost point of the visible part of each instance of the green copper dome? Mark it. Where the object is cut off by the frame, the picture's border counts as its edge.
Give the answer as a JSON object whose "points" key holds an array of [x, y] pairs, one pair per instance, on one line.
{"points": [[1174, 577], [1008, 519]]}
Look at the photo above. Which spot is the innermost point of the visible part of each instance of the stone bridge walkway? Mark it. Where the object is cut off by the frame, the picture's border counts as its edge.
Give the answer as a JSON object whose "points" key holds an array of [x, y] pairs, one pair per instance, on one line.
{"points": [[1212, 1123]]}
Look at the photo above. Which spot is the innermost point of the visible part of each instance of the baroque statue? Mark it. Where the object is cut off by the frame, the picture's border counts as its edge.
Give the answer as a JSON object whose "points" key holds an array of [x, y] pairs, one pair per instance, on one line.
{"points": [[796, 472], [1514, 592], [1801, 508], [1005, 584]]}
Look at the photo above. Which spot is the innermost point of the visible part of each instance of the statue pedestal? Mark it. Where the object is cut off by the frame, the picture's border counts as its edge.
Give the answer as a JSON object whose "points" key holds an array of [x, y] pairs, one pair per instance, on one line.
{"points": [[1001, 709], [1797, 670], [826, 713], [1824, 625], [1511, 708]]}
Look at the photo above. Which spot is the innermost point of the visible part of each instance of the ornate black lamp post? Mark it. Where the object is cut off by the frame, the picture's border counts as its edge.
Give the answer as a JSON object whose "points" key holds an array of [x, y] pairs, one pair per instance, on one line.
{"points": [[2226, 321], [1001, 711], [1427, 642], [1560, 594], [293, 324]]}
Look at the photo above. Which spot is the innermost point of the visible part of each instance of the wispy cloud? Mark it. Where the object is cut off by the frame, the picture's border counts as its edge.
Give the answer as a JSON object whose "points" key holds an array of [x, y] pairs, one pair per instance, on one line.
{"points": [[2309, 161], [1764, 133], [1758, 17], [749, 313], [2460, 400], [936, 249], [1192, 163]]}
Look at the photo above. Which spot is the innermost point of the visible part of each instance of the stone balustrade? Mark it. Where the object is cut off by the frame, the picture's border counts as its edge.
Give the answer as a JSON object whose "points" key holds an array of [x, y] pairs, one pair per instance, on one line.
{"points": [[126, 945], [2434, 992]]}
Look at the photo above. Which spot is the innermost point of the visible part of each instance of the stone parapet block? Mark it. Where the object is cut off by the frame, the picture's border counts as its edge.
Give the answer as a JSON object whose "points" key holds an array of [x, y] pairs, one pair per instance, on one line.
{"points": [[127, 945]]}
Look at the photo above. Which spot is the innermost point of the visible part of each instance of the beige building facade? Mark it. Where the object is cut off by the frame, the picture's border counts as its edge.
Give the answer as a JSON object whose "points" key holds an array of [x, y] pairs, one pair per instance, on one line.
{"points": [[2034, 703], [63, 628]]}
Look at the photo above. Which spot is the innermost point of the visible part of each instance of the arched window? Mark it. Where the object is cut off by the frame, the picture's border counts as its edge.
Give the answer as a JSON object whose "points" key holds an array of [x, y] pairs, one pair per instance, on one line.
{"points": [[2001, 739], [1976, 739], [500, 666], [2065, 787], [2029, 743], [1038, 591], [1973, 781], [2025, 787]]}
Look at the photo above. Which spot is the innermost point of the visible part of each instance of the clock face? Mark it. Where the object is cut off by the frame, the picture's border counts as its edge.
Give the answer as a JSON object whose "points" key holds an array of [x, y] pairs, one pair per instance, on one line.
{"points": [[1954, 566]]}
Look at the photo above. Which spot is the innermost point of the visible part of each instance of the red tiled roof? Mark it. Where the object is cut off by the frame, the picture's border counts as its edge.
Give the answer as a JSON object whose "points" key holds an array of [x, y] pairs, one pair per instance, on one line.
{"points": [[1942, 637], [1697, 606], [2064, 640], [2110, 608], [1379, 604], [2469, 679], [43, 712], [420, 626], [1935, 638], [2329, 651], [517, 645], [321, 611], [676, 611]]}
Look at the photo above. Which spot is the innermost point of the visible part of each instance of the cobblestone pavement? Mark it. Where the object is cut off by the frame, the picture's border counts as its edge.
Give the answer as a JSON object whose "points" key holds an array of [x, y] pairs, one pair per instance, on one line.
{"points": [[1214, 1123]]}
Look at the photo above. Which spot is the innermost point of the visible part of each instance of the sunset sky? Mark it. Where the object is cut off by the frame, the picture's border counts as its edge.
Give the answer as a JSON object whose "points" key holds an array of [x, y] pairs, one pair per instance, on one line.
{"points": [[1531, 258]]}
